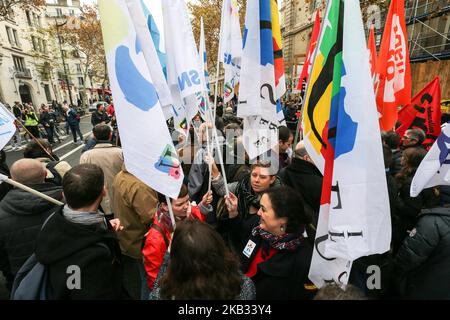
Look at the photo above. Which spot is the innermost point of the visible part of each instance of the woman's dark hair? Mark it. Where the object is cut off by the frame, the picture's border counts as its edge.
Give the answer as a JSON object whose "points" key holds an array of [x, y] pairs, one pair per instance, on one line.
{"points": [[201, 266], [288, 203], [412, 159]]}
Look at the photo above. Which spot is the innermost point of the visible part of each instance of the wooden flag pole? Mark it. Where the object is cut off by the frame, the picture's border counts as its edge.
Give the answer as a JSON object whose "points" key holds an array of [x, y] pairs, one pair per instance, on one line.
{"points": [[36, 140], [16, 184]]}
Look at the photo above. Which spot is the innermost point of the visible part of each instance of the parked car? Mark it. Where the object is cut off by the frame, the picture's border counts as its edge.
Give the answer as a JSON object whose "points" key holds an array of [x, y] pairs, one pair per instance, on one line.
{"points": [[93, 106]]}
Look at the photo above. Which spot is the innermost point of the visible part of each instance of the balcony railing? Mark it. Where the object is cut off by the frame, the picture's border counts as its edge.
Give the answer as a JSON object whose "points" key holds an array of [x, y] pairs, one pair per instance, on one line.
{"points": [[24, 73]]}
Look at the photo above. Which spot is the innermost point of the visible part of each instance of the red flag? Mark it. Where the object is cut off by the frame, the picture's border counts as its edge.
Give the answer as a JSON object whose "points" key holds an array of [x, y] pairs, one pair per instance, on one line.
{"points": [[424, 112], [372, 52], [306, 70], [394, 69]]}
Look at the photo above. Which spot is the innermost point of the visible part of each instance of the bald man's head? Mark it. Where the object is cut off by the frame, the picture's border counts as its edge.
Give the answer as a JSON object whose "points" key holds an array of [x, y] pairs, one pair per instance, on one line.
{"points": [[28, 171], [300, 150]]}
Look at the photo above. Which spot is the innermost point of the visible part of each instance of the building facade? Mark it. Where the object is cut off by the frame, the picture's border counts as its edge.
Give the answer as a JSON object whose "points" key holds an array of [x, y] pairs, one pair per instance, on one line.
{"points": [[428, 28], [31, 62]]}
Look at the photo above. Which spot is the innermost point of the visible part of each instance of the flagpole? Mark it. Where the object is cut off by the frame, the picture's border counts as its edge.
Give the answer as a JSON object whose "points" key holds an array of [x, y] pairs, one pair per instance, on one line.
{"points": [[219, 151], [16, 184], [36, 140], [172, 217]]}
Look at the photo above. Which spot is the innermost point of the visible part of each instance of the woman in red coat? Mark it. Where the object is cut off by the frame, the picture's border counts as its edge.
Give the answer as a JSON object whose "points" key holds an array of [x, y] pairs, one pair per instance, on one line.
{"points": [[159, 236]]}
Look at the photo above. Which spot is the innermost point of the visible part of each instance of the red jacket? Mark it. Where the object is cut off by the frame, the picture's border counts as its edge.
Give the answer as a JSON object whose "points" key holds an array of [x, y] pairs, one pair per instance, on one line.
{"points": [[155, 246]]}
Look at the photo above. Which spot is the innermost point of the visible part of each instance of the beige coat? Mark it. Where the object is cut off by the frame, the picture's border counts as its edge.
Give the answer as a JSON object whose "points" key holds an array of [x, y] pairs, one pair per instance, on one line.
{"points": [[110, 159], [135, 205]]}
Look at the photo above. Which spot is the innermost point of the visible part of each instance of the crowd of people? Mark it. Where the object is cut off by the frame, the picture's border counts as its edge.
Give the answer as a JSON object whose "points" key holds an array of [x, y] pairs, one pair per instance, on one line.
{"points": [[250, 237]]}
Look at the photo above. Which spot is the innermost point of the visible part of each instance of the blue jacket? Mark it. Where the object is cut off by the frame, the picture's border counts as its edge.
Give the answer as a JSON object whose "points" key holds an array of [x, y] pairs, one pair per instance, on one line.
{"points": [[72, 117]]}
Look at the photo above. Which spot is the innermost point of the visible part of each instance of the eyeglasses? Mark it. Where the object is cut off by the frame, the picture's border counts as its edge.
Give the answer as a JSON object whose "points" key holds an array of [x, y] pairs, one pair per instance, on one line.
{"points": [[408, 138]]}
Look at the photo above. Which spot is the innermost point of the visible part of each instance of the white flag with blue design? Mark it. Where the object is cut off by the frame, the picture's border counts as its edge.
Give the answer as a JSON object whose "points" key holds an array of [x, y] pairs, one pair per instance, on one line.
{"points": [[183, 65], [203, 97], [152, 45], [257, 90], [434, 170], [230, 47], [148, 150]]}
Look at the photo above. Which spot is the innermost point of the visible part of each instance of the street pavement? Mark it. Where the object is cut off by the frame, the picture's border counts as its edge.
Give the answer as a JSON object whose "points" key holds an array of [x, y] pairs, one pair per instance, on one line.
{"points": [[67, 151]]}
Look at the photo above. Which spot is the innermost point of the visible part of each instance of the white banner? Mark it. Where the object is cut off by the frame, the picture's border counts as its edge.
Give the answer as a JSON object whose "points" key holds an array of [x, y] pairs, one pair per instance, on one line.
{"points": [[141, 18], [183, 67], [147, 146], [434, 170], [230, 47], [7, 126]]}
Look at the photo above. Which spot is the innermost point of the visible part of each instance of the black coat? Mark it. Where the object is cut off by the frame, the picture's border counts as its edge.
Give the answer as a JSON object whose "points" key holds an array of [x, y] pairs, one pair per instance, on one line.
{"points": [[98, 117], [408, 208], [282, 277], [305, 178], [422, 264], [21, 217], [62, 243]]}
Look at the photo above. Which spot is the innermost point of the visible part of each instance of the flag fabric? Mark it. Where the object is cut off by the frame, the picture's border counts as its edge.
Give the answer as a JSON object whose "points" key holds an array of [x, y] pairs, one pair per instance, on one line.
{"points": [[149, 38], [7, 126], [345, 137], [138, 110], [258, 101], [306, 69], [280, 78], [394, 88], [372, 47], [434, 170], [183, 65], [424, 112], [203, 58], [230, 47], [201, 97]]}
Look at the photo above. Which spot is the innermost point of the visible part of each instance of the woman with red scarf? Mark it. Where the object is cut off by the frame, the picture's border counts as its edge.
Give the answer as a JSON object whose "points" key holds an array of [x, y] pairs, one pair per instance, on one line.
{"points": [[276, 255]]}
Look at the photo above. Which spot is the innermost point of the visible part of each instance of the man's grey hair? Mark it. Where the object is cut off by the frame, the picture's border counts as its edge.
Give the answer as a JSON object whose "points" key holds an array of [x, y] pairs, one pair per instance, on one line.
{"points": [[417, 134]]}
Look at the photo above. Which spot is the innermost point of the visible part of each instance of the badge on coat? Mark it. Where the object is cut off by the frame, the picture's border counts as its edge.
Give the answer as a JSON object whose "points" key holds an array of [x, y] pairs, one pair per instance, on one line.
{"points": [[249, 248], [413, 232]]}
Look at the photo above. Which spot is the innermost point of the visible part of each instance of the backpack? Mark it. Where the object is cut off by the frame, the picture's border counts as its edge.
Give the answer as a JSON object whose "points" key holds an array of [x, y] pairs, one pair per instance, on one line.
{"points": [[57, 179], [32, 280]]}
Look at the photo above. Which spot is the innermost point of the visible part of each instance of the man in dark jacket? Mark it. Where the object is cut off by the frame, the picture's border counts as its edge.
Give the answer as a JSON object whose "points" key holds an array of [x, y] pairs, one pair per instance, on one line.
{"points": [[74, 123], [422, 264], [48, 120], [78, 244], [99, 116], [22, 214], [304, 177]]}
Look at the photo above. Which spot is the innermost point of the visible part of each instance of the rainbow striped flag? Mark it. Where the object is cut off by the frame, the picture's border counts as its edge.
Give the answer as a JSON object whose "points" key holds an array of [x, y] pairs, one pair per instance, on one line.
{"points": [[342, 136]]}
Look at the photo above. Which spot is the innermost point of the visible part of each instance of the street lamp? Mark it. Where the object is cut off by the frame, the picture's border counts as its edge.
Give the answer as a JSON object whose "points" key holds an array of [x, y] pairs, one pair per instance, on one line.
{"points": [[62, 56]]}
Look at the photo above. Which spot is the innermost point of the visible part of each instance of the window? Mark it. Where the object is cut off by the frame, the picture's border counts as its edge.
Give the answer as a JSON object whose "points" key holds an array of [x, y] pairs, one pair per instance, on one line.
{"points": [[72, 12], [44, 43], [64, 53], [10, 35], [80, 81], [59, 12], [16, 38], [78, 67], [13, 38], [28, 18], [33, 41], [19, 63], [41, 46]]}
